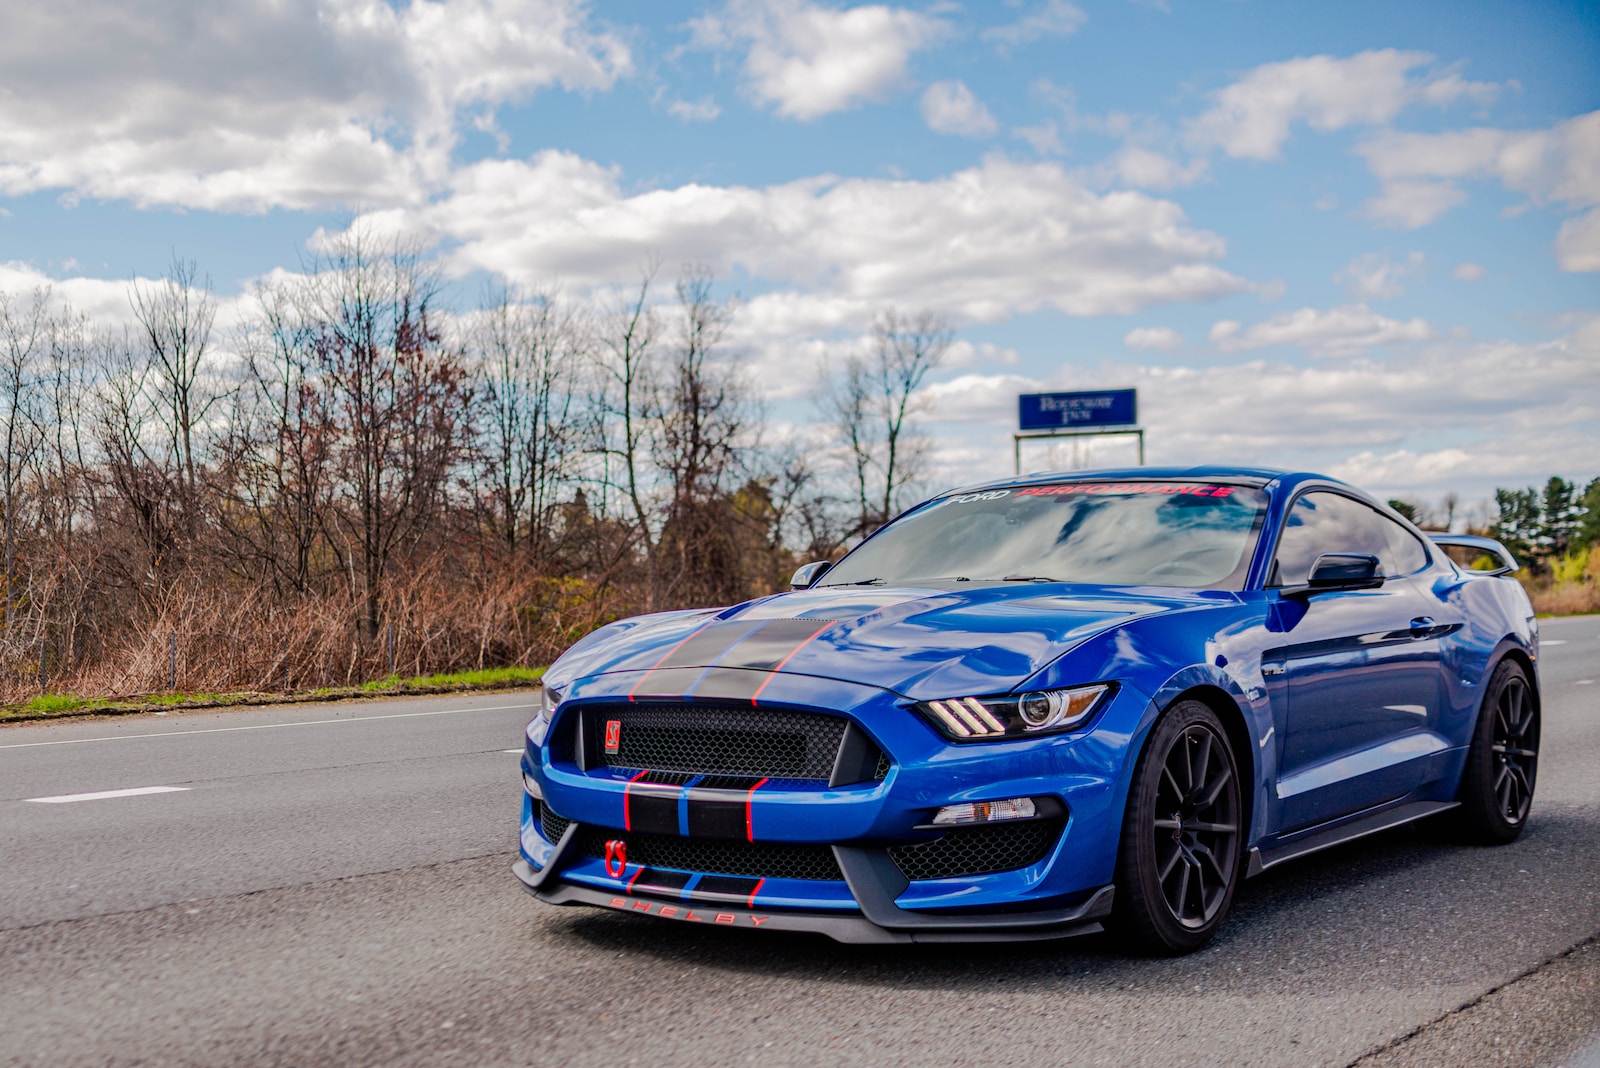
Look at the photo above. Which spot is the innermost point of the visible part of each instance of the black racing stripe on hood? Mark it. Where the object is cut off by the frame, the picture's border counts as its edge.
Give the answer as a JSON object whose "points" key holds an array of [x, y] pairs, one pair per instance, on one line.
{"points": [[772, 644], [731, 684], [709, 643]]}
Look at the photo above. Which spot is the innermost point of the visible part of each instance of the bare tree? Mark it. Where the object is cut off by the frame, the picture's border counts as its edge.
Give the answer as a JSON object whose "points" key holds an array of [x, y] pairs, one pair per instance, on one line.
{"points": [[176, 315], [526, 350], [275, 465], [621, 409], [702, 408], [24, 333], [872, 405], [397, 395]]}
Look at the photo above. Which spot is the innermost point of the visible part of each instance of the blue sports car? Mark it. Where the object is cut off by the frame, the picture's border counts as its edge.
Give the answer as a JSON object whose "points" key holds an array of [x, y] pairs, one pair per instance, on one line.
{"points": [[1041, 707]]}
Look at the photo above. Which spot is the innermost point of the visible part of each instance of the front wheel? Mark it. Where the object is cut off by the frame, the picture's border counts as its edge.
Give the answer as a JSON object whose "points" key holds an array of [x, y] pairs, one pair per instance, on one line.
{"points": [[1497, 784], [1178, 864]]}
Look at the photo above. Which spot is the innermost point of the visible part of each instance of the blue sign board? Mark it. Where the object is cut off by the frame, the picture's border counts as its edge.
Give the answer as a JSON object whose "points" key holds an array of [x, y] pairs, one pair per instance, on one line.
{"points": [[1071, 411]]}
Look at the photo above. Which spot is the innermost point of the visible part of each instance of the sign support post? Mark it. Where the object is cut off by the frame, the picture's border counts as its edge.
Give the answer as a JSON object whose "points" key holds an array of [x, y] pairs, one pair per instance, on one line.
{"points": [[1018, 439], [1105, 413]]}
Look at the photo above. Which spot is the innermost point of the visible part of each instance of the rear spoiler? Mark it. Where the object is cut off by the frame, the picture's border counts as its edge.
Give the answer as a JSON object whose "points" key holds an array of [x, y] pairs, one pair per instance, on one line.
{"points": [[1476, 548]]}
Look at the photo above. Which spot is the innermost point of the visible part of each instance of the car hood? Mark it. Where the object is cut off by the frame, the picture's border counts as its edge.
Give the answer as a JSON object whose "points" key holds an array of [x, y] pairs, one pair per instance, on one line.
{"points": [[921, 642]]}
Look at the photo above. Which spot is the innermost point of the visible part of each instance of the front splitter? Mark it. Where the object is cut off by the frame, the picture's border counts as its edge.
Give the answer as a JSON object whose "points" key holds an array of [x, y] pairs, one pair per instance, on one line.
{"points": [[855, 929]]}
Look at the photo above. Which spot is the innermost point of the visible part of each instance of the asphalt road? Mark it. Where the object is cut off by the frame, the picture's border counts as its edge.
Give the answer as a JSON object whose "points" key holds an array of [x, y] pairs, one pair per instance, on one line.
{"points": [[331, 886]]}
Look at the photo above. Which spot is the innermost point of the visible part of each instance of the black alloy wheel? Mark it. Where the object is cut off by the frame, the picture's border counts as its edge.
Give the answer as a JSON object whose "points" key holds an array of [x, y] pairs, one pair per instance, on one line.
{"points": [[1178, 865], [1503, 763]]}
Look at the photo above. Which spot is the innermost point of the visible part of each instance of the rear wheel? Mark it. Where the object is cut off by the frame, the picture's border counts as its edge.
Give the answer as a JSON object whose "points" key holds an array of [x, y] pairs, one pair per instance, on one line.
{"points": [[1178, 864], [1497, 784]]}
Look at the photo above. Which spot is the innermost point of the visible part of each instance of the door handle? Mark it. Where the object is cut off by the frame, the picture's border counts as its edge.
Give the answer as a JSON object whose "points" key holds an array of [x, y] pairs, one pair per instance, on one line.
{"points": [[1421, 626]]}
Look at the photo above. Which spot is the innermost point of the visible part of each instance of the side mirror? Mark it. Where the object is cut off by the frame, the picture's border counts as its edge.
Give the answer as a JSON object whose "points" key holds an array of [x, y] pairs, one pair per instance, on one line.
{"points": [[808, 575], [1341, 571]]}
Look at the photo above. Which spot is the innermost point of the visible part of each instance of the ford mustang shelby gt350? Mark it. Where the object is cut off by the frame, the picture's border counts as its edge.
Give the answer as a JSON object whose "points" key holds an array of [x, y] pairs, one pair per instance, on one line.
{"points": [[1037, 707]]}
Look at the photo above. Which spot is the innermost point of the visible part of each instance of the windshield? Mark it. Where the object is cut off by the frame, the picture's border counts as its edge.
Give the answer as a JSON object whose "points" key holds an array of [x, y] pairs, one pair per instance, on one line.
{"points": [[1190, 534]]}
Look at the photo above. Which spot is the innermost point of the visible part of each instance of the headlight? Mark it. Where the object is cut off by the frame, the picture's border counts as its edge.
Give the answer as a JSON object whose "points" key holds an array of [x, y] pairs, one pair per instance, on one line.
{"points": [[965, 719], [549, 698]]}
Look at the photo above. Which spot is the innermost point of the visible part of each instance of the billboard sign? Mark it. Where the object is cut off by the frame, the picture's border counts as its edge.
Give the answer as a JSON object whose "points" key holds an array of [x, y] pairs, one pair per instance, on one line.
{"points": [[1075, 411]]}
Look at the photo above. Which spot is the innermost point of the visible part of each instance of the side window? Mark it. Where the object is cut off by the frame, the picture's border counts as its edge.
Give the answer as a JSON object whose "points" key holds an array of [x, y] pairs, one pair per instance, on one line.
{"points": [[1322, 522]]}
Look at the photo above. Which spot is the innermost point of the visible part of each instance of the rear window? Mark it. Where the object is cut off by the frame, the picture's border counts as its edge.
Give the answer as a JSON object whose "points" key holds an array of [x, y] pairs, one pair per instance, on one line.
{"points": [[1191, 534]]}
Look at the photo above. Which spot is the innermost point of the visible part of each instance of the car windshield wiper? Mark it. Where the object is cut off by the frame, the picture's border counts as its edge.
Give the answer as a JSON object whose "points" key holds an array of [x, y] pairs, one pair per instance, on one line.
{"points": [[1029, 578]]}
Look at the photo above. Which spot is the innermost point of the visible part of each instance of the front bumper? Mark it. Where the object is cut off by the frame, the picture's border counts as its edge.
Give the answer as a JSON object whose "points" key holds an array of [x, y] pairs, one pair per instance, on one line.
{"points": [[866, 893]]}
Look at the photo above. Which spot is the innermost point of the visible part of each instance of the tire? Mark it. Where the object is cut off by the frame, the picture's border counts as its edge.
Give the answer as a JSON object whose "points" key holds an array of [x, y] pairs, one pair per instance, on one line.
{"points": [[1178, 863], [1496, 792]]}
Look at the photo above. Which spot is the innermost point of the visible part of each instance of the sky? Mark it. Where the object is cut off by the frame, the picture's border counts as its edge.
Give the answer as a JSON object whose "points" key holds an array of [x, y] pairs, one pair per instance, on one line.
{"points": [[1360, 238]]}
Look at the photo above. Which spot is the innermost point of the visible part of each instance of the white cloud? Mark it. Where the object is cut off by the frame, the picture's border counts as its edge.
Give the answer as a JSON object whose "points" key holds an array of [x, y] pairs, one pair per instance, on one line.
{"points": [[950, 108], [1053, 18], [1468, 272], [1560, 165], [1578, 242], [1145, 168], [1163, 338], [1223, 329], [806, 60], [1375, 276], [1252, 117], [1410, 204], [982, 244], [1435, 418], [1045, 138], [1325, 332], [253, 104], [694, 111]]}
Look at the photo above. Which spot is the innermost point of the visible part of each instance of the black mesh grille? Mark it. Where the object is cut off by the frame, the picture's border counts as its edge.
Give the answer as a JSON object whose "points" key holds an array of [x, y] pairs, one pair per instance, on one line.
{"points": [[977, 850], [773, 860], [550, 824], [705, 739]]}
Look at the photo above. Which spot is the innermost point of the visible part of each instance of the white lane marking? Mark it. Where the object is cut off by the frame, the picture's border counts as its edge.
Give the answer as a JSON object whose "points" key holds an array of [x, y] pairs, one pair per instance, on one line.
{"points": [[263, 726], [1553, 641], [62, 799], [516, 751], [1584, 682]]}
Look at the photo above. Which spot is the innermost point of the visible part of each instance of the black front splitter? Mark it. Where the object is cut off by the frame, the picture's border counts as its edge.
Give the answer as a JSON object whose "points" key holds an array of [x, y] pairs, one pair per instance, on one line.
{"points": [[903, 925]]}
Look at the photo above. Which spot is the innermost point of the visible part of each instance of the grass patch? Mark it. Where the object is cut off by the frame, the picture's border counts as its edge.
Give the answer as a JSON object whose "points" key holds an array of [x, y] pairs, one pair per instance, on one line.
{"points": [[507, 676], [54, 705]]}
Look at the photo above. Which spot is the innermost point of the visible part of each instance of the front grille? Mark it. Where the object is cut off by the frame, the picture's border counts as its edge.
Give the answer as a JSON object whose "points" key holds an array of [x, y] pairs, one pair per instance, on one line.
{"points": [[551, 825], [978, 850], [761, 860], [712, 740]]}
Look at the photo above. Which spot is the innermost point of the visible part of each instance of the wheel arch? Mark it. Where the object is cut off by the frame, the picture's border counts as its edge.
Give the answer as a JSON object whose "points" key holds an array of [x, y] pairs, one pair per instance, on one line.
{"points": [[1238, 731], [1510, 649]]}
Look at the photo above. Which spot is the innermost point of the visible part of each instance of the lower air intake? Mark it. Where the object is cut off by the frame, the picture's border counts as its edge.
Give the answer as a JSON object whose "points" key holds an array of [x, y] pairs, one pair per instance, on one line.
{"points": [[978, 850], [551, 825]]}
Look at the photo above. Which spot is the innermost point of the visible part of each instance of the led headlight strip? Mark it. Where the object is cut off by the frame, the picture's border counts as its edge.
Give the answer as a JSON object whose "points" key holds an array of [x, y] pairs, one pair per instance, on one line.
{"points": [[966, 717], [1040, 711]]}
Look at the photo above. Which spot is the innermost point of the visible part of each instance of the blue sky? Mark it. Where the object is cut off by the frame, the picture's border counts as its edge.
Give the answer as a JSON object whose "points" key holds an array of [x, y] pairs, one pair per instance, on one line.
{"points": [[1357, 237]]}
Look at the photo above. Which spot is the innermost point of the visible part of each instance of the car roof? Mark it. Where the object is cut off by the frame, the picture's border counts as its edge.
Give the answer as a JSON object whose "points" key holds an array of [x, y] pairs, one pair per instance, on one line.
{"points": [[1254, 476]]}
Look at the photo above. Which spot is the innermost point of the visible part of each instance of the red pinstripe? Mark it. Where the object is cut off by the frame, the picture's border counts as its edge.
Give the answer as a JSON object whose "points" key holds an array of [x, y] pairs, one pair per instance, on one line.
{"points": [[627, 818], [749, 798], [756, 891]]}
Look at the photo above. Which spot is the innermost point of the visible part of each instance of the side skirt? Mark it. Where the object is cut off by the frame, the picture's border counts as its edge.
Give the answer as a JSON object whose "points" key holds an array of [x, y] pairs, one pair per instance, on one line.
{"points": [[1387, 819]]}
